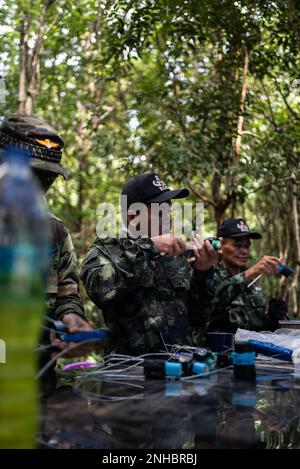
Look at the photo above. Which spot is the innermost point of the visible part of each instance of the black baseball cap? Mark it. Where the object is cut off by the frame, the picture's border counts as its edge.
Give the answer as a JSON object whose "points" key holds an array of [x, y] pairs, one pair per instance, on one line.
{"points": [[236, 228], [148, 188]]}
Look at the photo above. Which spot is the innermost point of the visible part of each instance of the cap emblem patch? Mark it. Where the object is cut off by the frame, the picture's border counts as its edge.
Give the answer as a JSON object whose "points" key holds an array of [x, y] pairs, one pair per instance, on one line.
{"points": [[157, 182], [47, 143], [243, 227]]}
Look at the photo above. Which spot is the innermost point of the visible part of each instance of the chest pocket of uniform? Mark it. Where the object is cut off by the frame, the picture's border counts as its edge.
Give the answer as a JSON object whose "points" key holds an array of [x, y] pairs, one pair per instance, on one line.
{"points": [[178, 273], [180, 281], [52, 282], [256, 302]]}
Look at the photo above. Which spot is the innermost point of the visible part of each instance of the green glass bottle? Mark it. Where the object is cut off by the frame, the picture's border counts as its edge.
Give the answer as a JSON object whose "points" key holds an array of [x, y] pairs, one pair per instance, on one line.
{"points": [[24, 240]]}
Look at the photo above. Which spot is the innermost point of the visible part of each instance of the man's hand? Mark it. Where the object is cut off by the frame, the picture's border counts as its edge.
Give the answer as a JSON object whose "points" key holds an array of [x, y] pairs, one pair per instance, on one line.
{"points": [[266, 265], [205, 255], [169, 245], [75, 324]]}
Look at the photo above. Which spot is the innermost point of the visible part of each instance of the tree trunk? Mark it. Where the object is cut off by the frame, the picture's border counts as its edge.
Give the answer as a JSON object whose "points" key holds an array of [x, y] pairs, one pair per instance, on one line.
{"points": [[24, 26], [296, 235], [240, 123], [29, 63]]}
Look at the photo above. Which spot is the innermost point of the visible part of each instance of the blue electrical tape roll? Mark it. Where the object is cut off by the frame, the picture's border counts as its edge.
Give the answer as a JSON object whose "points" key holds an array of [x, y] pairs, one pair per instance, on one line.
{"points": [[285, 270], [98, 334], [199, 368], [246, 358], [173, 369], [271, 350]]}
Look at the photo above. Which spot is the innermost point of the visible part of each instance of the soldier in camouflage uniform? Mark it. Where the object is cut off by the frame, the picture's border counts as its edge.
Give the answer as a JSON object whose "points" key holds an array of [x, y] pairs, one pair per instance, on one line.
{"points": [[37, 138], [237, 303], [142, 293]]}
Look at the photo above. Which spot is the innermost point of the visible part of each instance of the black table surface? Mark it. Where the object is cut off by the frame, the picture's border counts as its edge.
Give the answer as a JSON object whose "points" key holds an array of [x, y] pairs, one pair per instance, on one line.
{"points": [[213, 412]]}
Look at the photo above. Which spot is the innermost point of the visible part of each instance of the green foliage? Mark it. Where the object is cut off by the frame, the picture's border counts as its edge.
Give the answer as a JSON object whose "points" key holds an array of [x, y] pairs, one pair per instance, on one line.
{"points": [[139, 85]]}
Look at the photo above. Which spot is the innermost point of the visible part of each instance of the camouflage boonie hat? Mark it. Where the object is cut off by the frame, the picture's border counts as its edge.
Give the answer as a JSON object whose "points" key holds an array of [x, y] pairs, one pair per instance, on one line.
{"points": [[36, 138]]}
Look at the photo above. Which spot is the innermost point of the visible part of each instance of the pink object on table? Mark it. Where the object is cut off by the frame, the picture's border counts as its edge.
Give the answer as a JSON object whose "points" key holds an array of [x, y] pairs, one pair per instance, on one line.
{"points": [[73, 366]]}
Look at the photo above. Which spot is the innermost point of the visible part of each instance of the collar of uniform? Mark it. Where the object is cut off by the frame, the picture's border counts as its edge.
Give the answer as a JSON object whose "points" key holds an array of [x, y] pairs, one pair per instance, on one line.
{"points": [[221, 267], [107, 240]]}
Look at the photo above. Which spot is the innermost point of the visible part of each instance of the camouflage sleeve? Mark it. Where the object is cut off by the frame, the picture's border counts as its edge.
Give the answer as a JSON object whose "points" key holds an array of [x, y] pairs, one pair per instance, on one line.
{"points": [[109, 277], [229, 303], [227, 290], [68, 299], [201, 297]]}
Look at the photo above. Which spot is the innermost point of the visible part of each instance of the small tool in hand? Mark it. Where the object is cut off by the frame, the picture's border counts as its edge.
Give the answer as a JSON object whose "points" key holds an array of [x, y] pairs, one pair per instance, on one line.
{"points": [[62, 332]]}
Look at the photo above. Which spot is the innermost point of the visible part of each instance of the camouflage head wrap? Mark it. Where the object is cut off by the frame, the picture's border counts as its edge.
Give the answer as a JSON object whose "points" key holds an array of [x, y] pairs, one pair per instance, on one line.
{"points": [[36, 138]]}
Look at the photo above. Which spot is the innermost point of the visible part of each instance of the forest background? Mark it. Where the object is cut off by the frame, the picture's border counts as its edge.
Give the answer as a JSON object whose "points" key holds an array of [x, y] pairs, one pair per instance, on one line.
{"points": [[204, 92]]}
